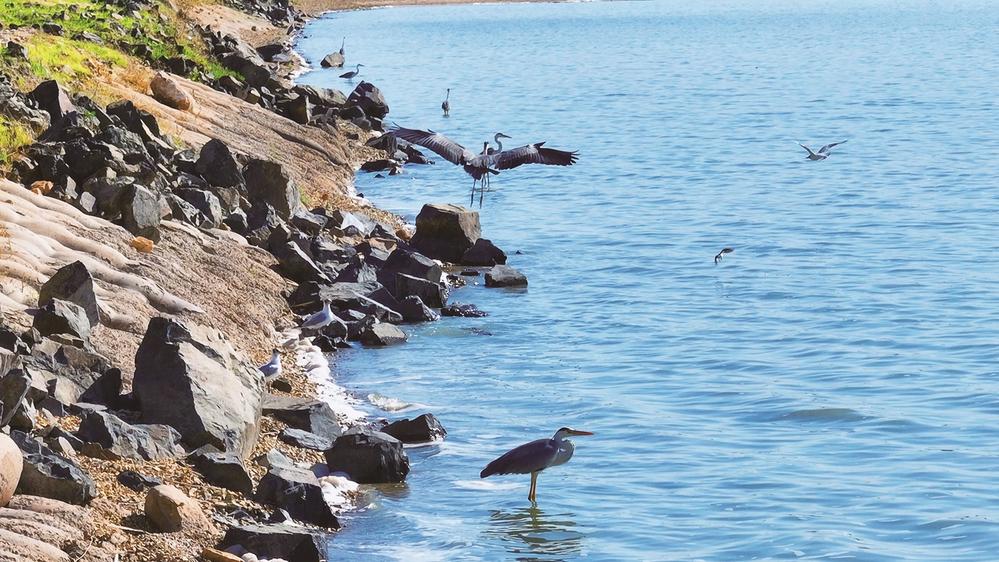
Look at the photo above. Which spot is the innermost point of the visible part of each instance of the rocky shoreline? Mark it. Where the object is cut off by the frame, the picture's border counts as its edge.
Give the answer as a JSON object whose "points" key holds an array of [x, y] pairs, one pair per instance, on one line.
{"points": [[154, 249]]}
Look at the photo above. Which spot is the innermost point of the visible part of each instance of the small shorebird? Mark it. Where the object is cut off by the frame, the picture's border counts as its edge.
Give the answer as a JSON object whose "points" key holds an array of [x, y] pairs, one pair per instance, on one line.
{"points": [[531, 458], [272, 369], [320, 319], [446, 106], [724, 251], [350, 75], [823, 152]]}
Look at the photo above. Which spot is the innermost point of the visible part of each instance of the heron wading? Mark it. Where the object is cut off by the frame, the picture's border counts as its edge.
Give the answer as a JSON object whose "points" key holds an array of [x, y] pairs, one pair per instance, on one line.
{"points": [[532, 458]]}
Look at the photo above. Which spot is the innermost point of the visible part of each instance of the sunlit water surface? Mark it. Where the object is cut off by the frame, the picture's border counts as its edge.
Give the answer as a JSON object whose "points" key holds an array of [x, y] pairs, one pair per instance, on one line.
{"points": [[828, 391]]}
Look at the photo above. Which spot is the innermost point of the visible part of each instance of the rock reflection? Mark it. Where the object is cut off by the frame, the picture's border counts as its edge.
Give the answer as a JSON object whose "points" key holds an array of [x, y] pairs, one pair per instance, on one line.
{"points": [[532, 534]]}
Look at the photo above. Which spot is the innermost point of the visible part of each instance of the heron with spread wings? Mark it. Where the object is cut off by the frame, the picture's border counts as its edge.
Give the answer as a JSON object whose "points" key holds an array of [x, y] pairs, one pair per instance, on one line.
{"points": [[481, 166]]}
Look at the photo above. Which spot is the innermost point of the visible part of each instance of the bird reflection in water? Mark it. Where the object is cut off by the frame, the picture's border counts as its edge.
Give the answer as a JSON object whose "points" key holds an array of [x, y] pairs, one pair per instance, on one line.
{"points": [[532, 534]]}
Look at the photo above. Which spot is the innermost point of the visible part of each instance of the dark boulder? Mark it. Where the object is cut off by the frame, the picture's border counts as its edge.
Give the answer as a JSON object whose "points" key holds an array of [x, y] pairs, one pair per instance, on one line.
{"points": [[314, 416], [297, 491], [369, 98], [217, 165], [50, 475], [61, 317], [137, 482], [207, 204], [325, 97], [308, 222], [418, 430], [252, 67], [432, 294], [118, 439], [446, 232], [483, 252], [290, 542], [14, 386], [268, 183], [413, 310], [268, 52], [140, 212], [223, 469], [505, 276], [192, 379], [463, 310], [368, 457], [297, 108], [304, 439], [52, 99], [72, 283], [72, 374], [382, 334], [409, 263], [298, 266]]}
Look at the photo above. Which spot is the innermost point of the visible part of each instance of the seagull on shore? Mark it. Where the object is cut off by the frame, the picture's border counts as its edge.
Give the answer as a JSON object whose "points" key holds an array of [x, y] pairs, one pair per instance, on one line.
{"points": [[446, 106], [272, 369], [320, 319], [823, 152], [724, 251], [350, 75]]}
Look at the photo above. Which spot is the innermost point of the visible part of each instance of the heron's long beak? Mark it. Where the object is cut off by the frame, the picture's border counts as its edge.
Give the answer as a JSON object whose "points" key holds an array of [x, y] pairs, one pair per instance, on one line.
{"points": [[579, 432]]}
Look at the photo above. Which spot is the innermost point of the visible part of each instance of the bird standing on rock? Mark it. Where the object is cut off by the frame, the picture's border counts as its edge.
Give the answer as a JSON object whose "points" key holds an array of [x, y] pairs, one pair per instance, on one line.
{"points": [[350, 75], [823, 152], [344, 40], [446, 106], [531, 458], [320, 319], [272, 369]]}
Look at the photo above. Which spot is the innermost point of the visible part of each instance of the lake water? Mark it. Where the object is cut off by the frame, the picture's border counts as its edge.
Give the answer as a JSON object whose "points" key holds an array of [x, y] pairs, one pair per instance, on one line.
{"points": [[829, 390]]}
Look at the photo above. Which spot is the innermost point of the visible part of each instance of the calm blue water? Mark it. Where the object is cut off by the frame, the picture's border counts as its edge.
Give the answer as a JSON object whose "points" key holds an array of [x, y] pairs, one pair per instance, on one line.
{"points": [[830, 390]]}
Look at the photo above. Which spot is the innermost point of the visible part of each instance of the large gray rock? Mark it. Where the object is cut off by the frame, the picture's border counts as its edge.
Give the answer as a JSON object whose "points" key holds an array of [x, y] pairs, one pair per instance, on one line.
{"points": [[61, 317], [267, 182], [314, 416], [115, 438], [51, 98], [382, 334], [298, 492], [409, 263], [192, 379], [432, 294], [217, 165], [505, 276], [72, 283], [332, 60], [368, 457], [418, 430], [71, 374], [14, 387], [286, 541], [369, 98], [298, 266], [49, 475], [483, 252], [413, 310], [446, 232], [304, 439], [140, 212], [221, 468]]}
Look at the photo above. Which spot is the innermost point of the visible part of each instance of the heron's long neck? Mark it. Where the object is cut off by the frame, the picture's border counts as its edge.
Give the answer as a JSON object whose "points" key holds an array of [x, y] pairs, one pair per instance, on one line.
{"points": [[448, 96], [499, 145]]}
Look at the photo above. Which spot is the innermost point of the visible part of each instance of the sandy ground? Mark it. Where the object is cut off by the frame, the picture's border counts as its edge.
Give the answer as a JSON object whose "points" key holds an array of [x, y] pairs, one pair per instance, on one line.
{"points": [[254, 29]]}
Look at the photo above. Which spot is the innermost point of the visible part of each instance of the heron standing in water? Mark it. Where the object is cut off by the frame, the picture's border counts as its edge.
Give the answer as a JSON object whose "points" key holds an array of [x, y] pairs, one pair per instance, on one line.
{"points": [[532, 458], [350, 75], [342, 42], [446, 106]]}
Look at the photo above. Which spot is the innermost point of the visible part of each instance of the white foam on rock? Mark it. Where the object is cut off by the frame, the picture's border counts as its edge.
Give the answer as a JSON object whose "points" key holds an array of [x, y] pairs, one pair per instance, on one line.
{"points": [[339, 492], [312, 360]]}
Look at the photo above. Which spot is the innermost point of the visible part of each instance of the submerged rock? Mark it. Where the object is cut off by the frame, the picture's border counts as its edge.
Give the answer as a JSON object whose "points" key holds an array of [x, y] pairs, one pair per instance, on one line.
{"points": [[483, 252], [463, 310], [505, 276], [418, 430]]}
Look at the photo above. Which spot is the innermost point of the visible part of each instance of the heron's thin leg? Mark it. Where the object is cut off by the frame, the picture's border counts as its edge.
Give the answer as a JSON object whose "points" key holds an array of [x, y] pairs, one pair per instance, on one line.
{"points": [[532, 495], [472, 199]]}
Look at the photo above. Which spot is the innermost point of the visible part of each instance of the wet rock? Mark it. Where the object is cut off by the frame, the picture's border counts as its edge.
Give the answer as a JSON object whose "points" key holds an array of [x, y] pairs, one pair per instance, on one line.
{"points": [[170, 511], [505, 276], [72, 283], [413, 310], [267, 182], [140, 212], [11, 465], [52, 99], [432, 294], [469, 273], [332, 60], [286, 541], [304, 439], [446, 232], [314, 416], [383, 165], [192, 379], [369, 98], [217, 165], [61, 317], [418, 430], [409, 263], [223, 469], [137, 482], [118, 439], [463, 310], [168, 91], [297, 491], [382, 334], [483, 252], [368, 457], [49, 475]]}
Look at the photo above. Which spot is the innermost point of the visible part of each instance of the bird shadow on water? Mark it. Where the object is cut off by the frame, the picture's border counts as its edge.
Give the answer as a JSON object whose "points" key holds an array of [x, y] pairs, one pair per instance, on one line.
{"points": [[532, 534]]}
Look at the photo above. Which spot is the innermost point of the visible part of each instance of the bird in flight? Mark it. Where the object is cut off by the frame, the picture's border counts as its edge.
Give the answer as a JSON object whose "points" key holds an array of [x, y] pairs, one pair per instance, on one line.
{"points": [[532, 458], [724, 251], [823, 152]]}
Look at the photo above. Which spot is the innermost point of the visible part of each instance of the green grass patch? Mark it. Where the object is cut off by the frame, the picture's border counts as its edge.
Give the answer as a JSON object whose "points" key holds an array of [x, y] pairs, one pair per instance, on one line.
{"points": [[13, 136]]}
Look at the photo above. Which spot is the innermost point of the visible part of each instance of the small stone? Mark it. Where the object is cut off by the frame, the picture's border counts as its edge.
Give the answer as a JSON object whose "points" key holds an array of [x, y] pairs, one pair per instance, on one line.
{"points": [[170, 510], [505, 276]]}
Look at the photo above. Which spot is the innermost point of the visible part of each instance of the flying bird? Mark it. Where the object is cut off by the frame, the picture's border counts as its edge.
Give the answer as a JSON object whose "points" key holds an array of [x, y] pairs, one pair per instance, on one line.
{"points": [[272, 369], [446, 106], [352, 73], [724, 251], [320, 319], [823, 152], [532, 458], [480, 166]]}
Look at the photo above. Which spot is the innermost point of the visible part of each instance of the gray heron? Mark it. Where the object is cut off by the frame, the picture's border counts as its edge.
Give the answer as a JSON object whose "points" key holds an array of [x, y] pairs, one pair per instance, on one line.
{"points": [[342, 42], [482, 165], [823, 152], [532, 458], [350, 75], [272, 369], [446, 106], [723, 251]]}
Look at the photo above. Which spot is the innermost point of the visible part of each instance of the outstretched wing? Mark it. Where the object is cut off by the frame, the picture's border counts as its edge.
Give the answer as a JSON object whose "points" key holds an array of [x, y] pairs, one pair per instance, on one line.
{"points": [[447, 148], [825, 149], [527, 458], [810, 153], [533, 154]]}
